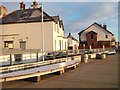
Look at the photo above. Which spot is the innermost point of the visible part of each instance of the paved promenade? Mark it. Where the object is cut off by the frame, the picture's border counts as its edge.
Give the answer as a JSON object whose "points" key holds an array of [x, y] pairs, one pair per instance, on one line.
{"points": [[95, 74]]}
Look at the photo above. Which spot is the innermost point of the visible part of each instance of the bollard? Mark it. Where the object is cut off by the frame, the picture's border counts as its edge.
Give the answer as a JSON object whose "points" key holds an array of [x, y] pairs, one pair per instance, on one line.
{"points": [[103, 56], [84, 58]]}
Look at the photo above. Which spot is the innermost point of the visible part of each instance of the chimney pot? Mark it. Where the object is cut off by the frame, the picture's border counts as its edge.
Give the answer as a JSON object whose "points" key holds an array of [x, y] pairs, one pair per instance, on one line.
{"points": [[69, 34], [105, 26], [22, 6], [35, 4]]}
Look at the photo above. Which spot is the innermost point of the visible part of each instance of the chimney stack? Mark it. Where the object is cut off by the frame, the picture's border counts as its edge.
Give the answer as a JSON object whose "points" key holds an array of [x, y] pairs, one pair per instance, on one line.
{"points": [[22, 6], [105, 26], [35, 4], [69, 34]]}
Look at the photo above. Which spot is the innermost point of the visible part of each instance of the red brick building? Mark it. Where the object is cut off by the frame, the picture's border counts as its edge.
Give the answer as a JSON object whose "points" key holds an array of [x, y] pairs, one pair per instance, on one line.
{"points": [[96, 36]]}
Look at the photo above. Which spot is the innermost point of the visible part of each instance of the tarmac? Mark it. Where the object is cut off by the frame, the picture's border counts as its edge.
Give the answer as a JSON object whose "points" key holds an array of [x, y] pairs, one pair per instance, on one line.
{"points": [[97, 73]]}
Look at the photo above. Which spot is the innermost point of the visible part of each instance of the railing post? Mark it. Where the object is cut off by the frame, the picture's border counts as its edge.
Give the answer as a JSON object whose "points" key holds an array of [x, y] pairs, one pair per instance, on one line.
{"points": [[10, 59], [67, 54], [54, 55], [37, 57]]}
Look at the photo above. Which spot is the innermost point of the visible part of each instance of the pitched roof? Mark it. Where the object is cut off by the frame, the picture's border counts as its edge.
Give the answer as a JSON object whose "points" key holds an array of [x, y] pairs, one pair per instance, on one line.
{"points": [[97, 25], [57, 19], [69, 36], [27, 15]]}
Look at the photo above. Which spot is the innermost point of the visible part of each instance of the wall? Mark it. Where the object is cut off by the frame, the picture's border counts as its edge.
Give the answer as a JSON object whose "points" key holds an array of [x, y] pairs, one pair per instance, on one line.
{"points": [[29, 32], [58, 36], [32, 34], [91, 41]]}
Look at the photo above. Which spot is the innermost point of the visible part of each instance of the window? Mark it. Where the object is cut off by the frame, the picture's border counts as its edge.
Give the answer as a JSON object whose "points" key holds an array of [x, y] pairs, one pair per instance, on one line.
{"points": [[65, 45], [92, 36], [8, 44], [23, 44], [58, 27], [55, 26], [106, 36], [60, 44]]}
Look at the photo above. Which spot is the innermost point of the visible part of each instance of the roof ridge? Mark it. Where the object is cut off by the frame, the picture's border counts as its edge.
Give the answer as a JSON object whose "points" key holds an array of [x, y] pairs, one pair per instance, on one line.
{"points": [[92, 25]]}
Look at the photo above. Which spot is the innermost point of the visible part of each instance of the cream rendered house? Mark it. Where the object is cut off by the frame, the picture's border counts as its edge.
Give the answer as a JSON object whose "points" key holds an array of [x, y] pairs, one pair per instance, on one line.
{"points": [[72, 42], [22, 29]]}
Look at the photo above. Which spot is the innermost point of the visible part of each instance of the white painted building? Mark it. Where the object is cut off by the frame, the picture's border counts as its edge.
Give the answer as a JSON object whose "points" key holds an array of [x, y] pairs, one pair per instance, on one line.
{"points": [[72, 42], [96, 35], [22, 29]]}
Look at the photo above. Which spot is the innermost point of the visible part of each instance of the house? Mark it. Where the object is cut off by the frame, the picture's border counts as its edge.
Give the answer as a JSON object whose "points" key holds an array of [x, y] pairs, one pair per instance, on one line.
{"points": [[96, 36], [72, 42], [22, 29], [3, 11]]}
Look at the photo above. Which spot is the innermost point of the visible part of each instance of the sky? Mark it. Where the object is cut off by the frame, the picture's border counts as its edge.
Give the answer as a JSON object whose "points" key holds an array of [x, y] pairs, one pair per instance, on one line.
{"points": [[78, 15]]}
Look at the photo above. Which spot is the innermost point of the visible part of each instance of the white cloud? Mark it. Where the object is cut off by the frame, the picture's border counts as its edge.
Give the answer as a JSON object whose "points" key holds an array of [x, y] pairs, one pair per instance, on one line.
{"points": [[101, 12]]}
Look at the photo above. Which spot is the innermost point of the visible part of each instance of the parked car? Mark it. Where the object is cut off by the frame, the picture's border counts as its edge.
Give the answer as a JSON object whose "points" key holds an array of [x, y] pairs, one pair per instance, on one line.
{"points": [[85, 52], [106, 52], [61, 55], [111, 52], [47, 56]]}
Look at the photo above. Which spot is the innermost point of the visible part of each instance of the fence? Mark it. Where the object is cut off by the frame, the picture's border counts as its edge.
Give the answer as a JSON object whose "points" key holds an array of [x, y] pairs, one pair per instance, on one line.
{"points": [[15, 56]]}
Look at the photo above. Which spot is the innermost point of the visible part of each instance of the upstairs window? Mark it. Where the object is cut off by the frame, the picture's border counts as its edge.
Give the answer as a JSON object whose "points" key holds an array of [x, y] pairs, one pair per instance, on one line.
{"points": [[92, 36], [8, 44], [106, 36]]}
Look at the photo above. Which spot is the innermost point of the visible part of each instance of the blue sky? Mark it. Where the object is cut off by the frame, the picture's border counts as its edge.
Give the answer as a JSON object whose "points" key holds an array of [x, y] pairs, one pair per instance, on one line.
{"points": [[79, 15]]}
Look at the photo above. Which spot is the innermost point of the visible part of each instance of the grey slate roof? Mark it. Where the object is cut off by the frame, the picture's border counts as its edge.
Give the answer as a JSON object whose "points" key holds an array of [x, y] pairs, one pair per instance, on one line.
{"points": [[27, 15], [56, 18]]}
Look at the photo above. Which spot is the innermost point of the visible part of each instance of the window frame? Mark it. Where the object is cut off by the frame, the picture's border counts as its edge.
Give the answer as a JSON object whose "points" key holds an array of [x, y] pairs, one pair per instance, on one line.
{"points": [[7, 43], [106, 36]]}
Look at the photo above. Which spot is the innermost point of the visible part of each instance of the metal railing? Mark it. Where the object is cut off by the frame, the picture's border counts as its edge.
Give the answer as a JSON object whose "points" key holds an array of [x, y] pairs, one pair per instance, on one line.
{"points": [[26, 65]]}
